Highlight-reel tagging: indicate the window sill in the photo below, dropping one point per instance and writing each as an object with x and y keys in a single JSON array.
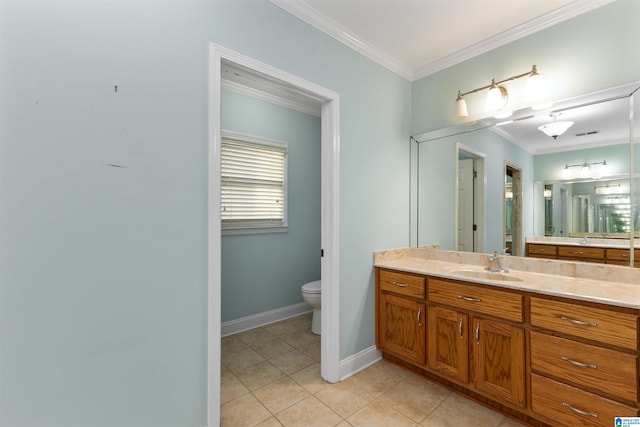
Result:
[{"x": 254, "y": 230}]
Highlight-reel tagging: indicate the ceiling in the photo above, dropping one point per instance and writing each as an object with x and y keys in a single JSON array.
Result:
[{"x": 416, "y": 38}]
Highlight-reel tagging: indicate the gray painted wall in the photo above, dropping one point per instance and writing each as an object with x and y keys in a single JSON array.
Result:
[{"x": 262, "y": 272}]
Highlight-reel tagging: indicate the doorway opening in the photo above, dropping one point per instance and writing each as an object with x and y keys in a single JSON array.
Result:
[
  {"x": 512, "y": 235},
  {"x": 279, "y": 83},
  {"x": 469, "y": 199}
]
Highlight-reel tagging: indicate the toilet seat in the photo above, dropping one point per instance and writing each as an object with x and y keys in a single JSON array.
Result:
[{"x": 312, "y": 287}]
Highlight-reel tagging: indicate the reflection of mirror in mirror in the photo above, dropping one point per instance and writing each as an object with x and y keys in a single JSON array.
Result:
[{"x": 552, "y": 203}]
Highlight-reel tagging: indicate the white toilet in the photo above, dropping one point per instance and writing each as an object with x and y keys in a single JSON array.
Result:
[{"x": 312, "y": 295}]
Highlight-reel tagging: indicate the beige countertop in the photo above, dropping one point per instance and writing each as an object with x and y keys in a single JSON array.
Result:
[{"x": 606, "y": 284}]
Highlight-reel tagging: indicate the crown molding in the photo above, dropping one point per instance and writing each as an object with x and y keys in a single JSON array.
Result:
[
  {"x": 309, "y": 15},
  {"x": 532, "y": 26}
]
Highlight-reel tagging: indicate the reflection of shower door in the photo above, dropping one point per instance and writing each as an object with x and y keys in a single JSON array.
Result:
[{"x": 465, "y": 205}]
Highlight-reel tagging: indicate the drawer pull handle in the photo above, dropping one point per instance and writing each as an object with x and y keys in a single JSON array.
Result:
[
  {"x": 580, "y": 364},
  {"x": 460, "y": 328},
  {"x": 400, "y": 284},
  {"x": 419, "y": 315},
  {"x": 478, "y": 333},
  {"x": 578, "y": 322},
  {"x": 580, "y": 253},
  {"x": 470, "y": 299},
  {"x": 578, "y": 411}
]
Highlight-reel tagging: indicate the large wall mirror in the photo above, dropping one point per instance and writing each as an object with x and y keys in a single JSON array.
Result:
[{"x": 584, "y": 182}]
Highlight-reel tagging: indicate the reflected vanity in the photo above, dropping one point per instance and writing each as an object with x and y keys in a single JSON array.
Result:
[{"x": 579, "y": 190}]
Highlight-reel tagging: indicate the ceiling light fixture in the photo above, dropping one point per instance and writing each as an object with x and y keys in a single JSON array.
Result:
[
  {"x": 497, "y": 96},
  {"x": 555, "y": 129}
]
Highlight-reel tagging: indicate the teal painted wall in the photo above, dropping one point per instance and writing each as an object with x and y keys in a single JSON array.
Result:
[
  {"x": 262, "y": 272},
  {"x": 437, "y": 187},
  {"x": 549, "y": 167},
  {"x": 574, "y": 59},
  {"x": 593, "y": 51},
  {"x": 104, "y": 270}
]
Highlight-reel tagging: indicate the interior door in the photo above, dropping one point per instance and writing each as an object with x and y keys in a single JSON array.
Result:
[{"x": 466, "y": 236}]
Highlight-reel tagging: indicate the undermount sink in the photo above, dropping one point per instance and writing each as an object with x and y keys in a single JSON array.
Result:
[{"x": 487, "y": 275}]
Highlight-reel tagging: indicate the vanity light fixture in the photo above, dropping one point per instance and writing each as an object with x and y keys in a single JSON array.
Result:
[
  {"x": 607, "y": 189},
  {"x": 585, "y": 169},
  {"x": 497, "y": 96},
  {"x": 555, "y": 129}
]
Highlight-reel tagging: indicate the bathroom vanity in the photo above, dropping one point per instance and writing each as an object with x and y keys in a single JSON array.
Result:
[
  {"x": 549, "y": 342},
  {"x": 606, "y": 251}
]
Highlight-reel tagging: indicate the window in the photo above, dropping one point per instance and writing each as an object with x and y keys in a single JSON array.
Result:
[{"x": 253, "y": 185}]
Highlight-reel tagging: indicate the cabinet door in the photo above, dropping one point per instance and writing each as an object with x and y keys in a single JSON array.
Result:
[
  {"x": 402, "y": 327},
  {"x": 448, "y": 342},
  {"x": 499, "y": 360}
]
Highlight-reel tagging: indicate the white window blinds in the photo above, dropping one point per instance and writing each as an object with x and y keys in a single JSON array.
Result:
[{"x": 253, "y": 182}]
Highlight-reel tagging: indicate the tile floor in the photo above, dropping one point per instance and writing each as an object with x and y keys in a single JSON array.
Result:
[{"x": 271, "y": 377}]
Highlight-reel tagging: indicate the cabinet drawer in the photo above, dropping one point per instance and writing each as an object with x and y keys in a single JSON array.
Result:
[
  {"x": 483, "y": 300},
  {"x": 543, "y": 250},
  {"x": 600, "y": 369},
  {"x": 620, "y": 254},
  {"x": 402, "y": 283},
  {"x": 611, "y": 327},
  {"x": 581, "y": 252},
  {"x": 574, "y": 407}
]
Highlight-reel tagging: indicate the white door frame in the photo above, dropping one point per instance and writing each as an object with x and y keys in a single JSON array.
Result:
[
  {"x": 479, "y": 197},
  {"x": 330, "y": 230}
]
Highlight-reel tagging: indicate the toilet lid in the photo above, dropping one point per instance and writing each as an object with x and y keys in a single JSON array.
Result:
[{"x": 312, "y": 287}]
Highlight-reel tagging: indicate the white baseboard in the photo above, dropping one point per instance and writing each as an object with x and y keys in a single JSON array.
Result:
[
  {"x": 359, "y": 361},
  {"x": 255, "y": 321}
]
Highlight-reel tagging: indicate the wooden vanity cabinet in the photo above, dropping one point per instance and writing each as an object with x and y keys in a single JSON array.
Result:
[
  {"x": 552, "y": 361},
  {"x": 537, "y": 250},
  {"x": 579, "y": 253},
  {"x": 401, "y": 315},
  {"x": 616, "y": 256},
  {"x": 584, "y": 362},
  {"x": 471, "y": 338}
]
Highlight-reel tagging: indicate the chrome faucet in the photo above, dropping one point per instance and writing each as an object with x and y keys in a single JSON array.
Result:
[{"x": 495, "y": 265}]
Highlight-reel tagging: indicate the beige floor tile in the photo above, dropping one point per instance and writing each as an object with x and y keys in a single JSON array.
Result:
[
  {"x": 282, "y": 328},
  {"x": 292, "y": 362},
  {"x": 256, "y": 336},
  {"x": 378, "y": 378},
  {"x": 256, "y": 376},
  {"x": 281, "y": 394},
  {"x": 302, "y": 322},
  {"x": 312, "y": 351},
  {"x": 310, "y": 378},
  {"x": 416, "y": 400},
  {"x": 273, "y": 348},
  {"x": 230, "y": 387},
  {"x": 458, "y": 411},
  {"x": 237, "y": 362},
  {"x": 243, "y": 411},
  {"x": 309, "y": 412},
  {"x": 378, "y": 414},
  {"x": 232, "y": 344},
  {"x": 345, "y": 398},
  {"x": 301, "y": 338},
  {"x": 269, "y": 422}
]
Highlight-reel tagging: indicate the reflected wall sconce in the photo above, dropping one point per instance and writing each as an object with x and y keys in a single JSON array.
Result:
[
  {"x": 555, "y": 129},
  {"x": 586, "y": 170},
  {"x": 498, "y": 95},
  {"x": 608, "y": 189}
]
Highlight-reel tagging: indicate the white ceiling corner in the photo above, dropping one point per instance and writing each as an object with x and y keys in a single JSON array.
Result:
[{"x": 357, "y": 24}]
